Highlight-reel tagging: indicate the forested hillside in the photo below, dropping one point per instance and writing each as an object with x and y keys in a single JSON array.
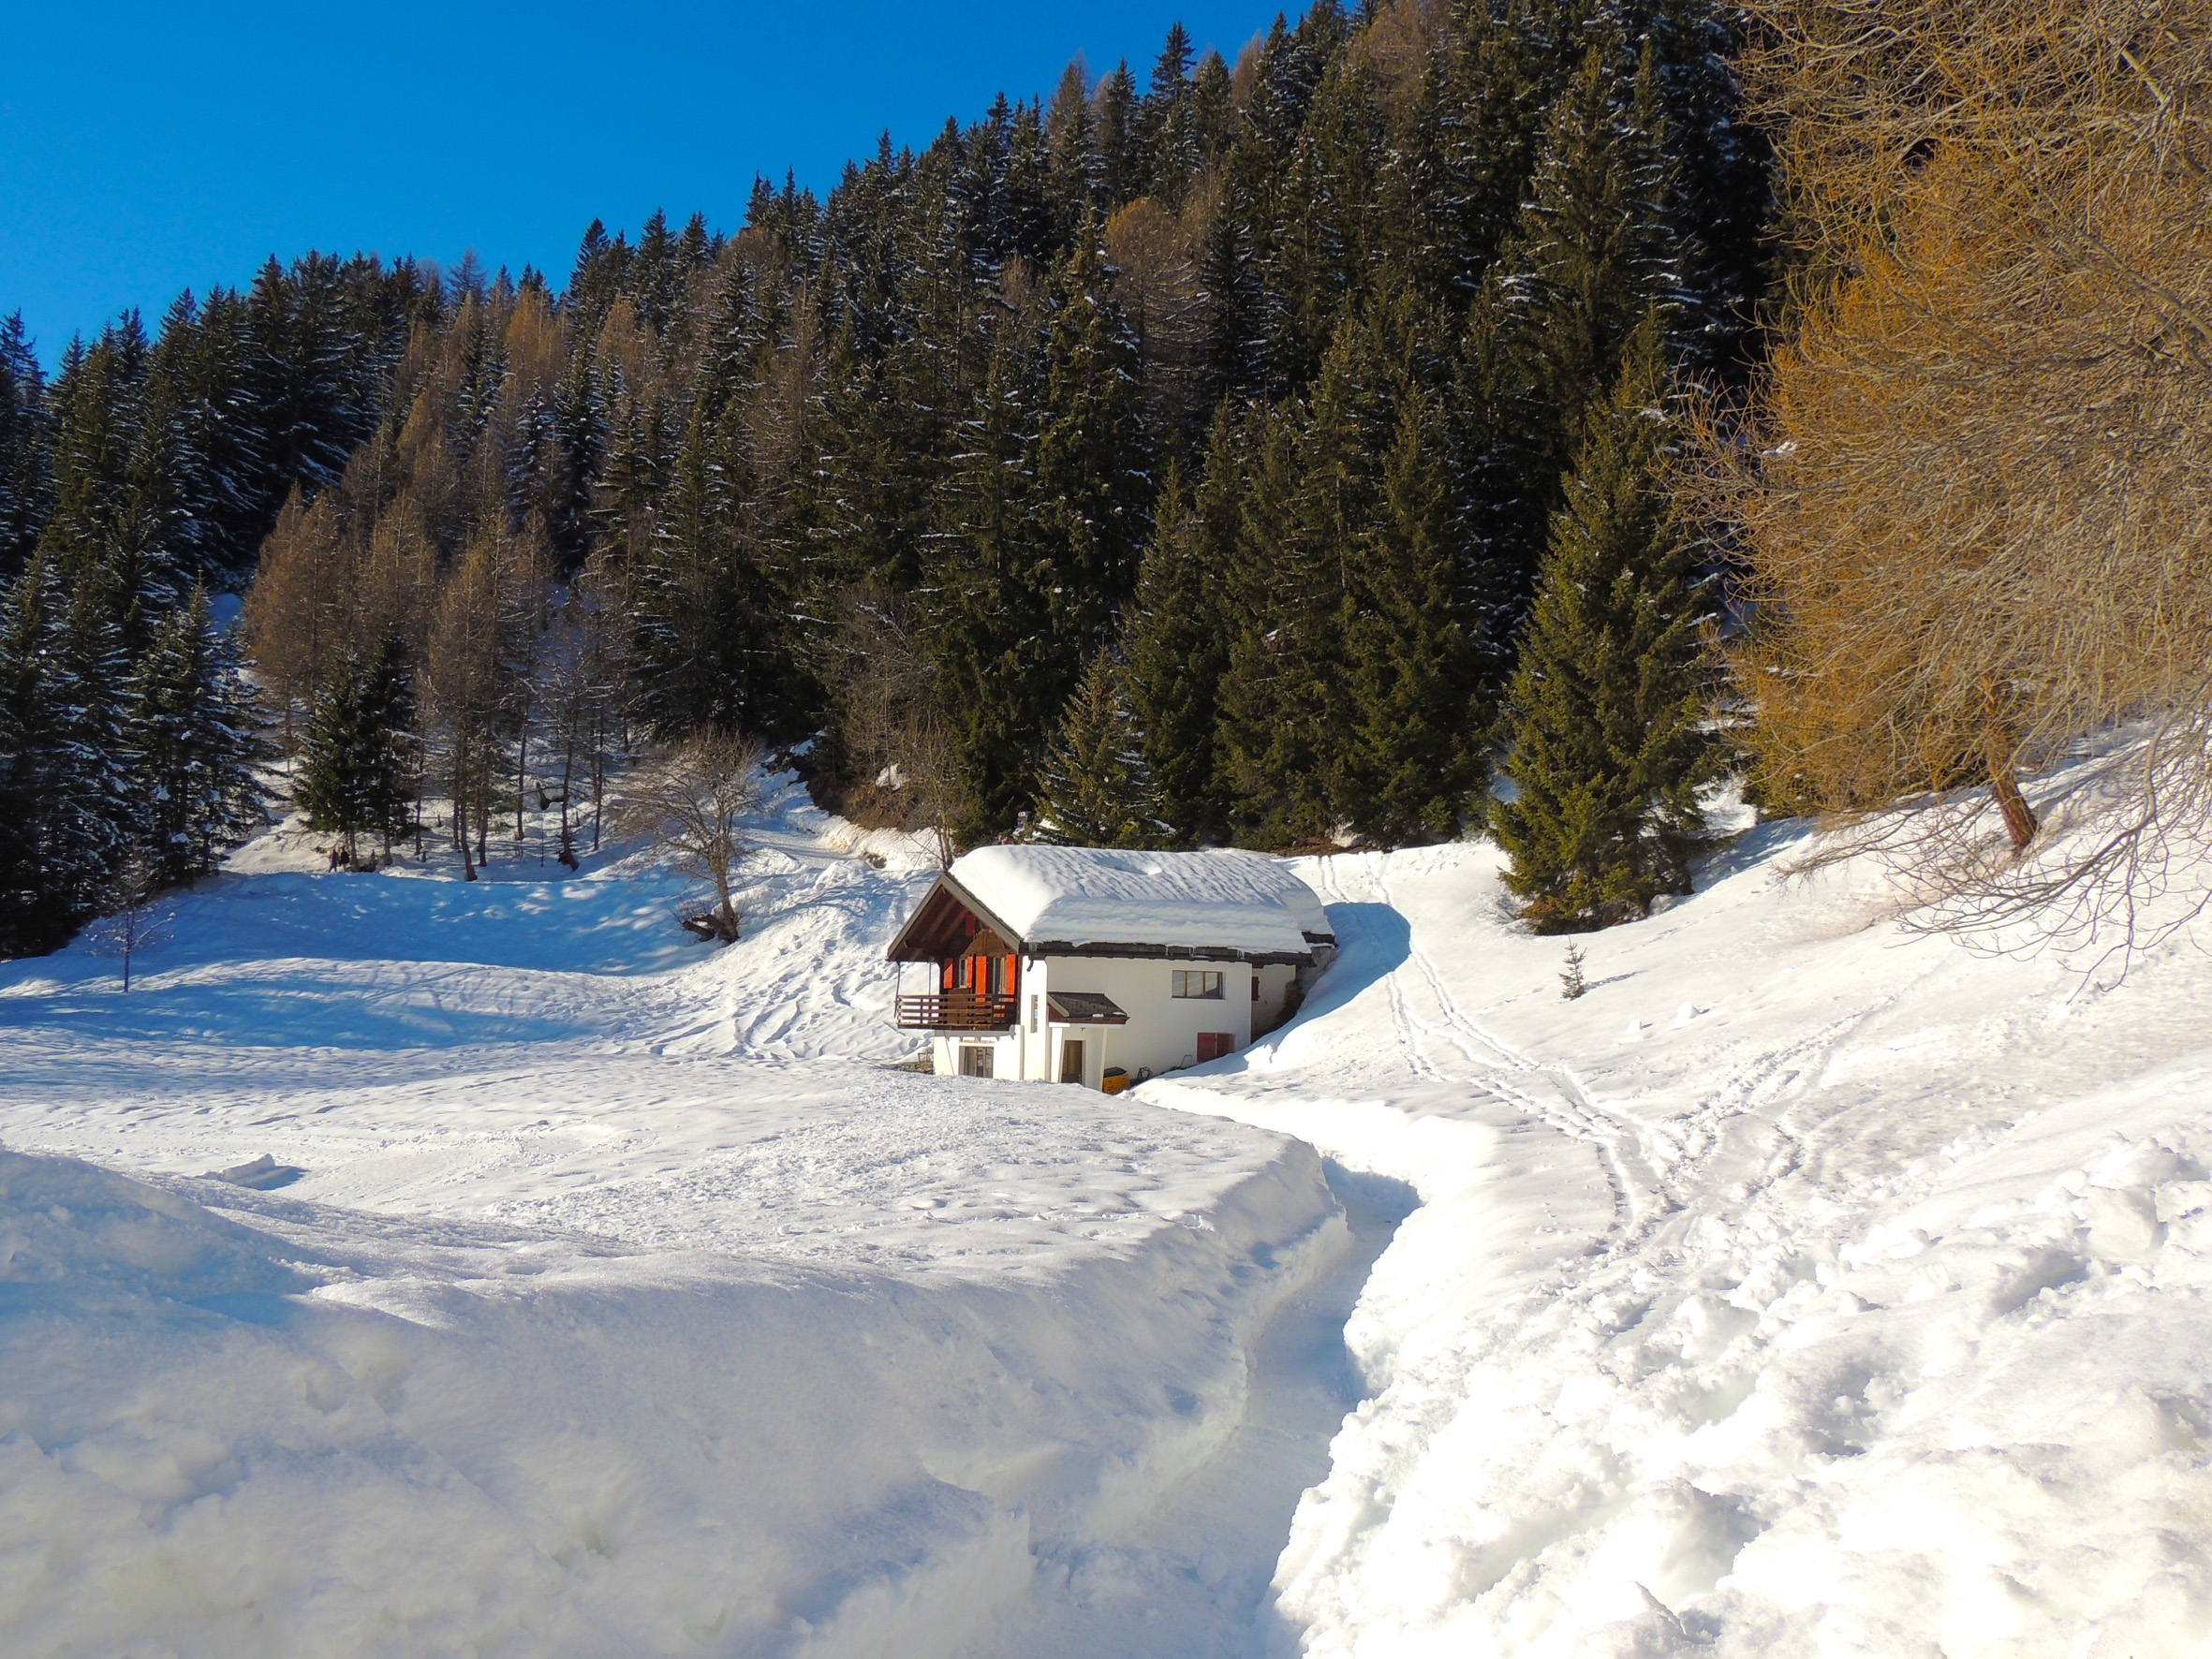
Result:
[{"x": 1237, "y": 397}]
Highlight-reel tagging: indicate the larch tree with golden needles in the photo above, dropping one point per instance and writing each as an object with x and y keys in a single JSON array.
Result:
[{"x": 1975, "y": 495}]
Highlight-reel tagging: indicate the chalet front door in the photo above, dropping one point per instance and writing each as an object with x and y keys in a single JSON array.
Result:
[{"x": 1070, "y": 1062}]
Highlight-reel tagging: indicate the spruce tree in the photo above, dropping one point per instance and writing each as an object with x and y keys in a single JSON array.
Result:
[
  {"x": 24, "y": 466},
  {"x": 190, "y": 735},
  {"x": 1604, "y": 704},
  {"x": 1166, "y": 129},
  {"x": 1093, "y": 788},
  {"x": 1285, "y": 609},
  {"x": 60, "y": 798},
  {"x": 1592, "y": 256},
  {"x": 1413, "y": 755},
  {"x": 1119, "y": 150},
  {"x": 704, "y": 619},
  {"x": 1000, "y": 675},
  {"x": 358, "y": 761},
  {"x": 1093, "y": 482},
  {"x": 1175, "y": 645}
]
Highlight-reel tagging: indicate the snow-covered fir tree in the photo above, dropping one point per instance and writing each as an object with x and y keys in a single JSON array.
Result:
[
  {"x": 1093, "y": 788},
  {"x": 1606, "y": 703}
]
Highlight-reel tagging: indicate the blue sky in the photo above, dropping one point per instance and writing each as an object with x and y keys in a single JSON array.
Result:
[{"x": 144, "y": 149}]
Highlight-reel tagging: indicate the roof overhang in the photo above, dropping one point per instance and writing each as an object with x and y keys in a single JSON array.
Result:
[
  {"x": 933, "y": 934},
  {"x": 1083, "y": 1007}
]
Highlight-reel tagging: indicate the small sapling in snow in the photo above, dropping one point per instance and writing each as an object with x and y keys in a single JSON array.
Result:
[
  {"x": 135, "y": 920},
  {"x": 1570, "y": 983}
]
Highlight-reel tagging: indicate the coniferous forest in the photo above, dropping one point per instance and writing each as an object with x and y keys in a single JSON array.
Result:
[{"x": 1203, "y": 453}]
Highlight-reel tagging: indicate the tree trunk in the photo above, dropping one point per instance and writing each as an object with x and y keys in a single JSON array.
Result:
[
  {"x": 2020, "y": 822},
  {"x": 1997, "y": 751}
]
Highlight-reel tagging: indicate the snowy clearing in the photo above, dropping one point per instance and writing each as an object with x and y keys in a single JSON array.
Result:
[{"x": 1805, "y": 1287}]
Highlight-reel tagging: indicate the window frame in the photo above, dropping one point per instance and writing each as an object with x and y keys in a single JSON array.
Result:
[{"x": 1211, "y": 980}]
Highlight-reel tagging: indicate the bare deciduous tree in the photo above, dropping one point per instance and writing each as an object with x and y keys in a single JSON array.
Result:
[
  {"x": 889, "y": 718},
  {"x": 688, "y": 800}
]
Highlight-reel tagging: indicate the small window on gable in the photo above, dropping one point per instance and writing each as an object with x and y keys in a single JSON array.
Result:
[{"x": 1197, "y": 982}]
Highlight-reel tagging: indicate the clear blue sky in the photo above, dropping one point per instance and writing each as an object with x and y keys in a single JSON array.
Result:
[{"x": 144, "y": 149}]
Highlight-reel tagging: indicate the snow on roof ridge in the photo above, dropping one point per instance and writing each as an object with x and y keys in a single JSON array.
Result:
[{"x": 1221, "y": 899}]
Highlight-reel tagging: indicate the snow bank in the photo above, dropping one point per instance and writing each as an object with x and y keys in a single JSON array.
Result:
[
  {"x": 454, "y": 1439},
  {"x": 1805, "y": 1288}
]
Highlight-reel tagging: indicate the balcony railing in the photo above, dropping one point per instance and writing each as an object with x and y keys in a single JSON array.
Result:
[{"x": 961, "y": 1010}]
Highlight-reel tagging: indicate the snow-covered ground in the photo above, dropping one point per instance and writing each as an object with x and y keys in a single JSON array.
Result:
[
  {"x": 1808, "y": 1287},
  {"x": 604, "y": 1293}
]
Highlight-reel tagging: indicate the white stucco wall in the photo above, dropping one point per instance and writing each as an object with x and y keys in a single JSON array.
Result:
[{"x": 1162, "y": 1031}]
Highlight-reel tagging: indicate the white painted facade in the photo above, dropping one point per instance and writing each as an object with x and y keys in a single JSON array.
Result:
[{"x": 1162, "y": 1031}]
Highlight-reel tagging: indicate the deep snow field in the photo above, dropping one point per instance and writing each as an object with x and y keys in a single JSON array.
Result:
[{"x": 1811, "y": 1287}]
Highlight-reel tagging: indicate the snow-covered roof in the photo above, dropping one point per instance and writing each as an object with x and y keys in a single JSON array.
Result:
[{"x": 1048, "y": 898}]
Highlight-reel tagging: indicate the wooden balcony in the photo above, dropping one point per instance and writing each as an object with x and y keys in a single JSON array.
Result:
[{"x": 958, "y": 1011}]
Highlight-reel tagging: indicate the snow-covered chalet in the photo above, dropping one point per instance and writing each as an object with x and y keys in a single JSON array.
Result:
[{"x": 1093, "y": 966}]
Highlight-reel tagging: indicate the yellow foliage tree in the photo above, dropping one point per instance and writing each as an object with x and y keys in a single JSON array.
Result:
[{"x": 1975, "y": 490}]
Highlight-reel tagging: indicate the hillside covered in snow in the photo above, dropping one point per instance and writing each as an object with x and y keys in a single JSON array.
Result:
[{"x": 1810, "y": 1286}]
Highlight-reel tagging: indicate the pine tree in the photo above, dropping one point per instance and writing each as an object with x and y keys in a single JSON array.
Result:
[
  {"x": 1093, "y": 788},
  {"x": 1094, "y": 487},
  {"x": 25, "y": 466},
  {"x": 1412, "y": 757},
  {"x": 60, "y": 797},
  {"x": 357, "y": 762},
  {"x": 190, "y": 735},
  {"x": 1175, "y": 645},
  {"x": 1604, "y": 704}
]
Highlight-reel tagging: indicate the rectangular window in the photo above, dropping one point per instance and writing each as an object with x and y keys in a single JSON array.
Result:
[
  {"x": 1197, "y": 982},
  {"x": 1212, "y": 1045},
  {"x": 1255, "y": 987},
  {"x": 975, "y": 1059}
]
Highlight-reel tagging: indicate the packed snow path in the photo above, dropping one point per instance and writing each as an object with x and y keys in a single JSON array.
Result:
[{"x": 1805, "y": 1287}]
